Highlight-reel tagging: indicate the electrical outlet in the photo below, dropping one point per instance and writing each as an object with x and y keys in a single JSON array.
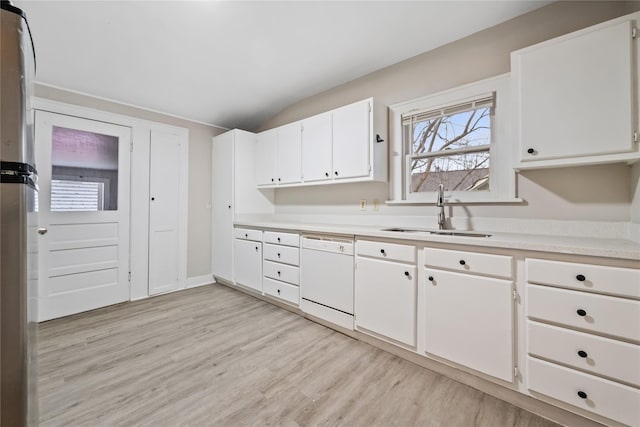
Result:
[
  {"x": 363, "y": 204},
  {"x": 376, "y": 204}
]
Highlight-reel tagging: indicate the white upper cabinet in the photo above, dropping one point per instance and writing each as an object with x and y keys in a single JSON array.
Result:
[
  {"x": 267, "y": 158},
  {"x": 575, "y": 97},
  {"x": 289, "y": 155},
  {"x": 351, "y": 140},
  {"x": 317, "y": 144},
  {"x": 342, "y": 145}
]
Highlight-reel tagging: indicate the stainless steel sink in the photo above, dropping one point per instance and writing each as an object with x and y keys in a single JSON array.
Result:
[{"x": 438, "y": 232}]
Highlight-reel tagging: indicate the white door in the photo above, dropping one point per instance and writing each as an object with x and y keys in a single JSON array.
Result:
[
  {"x": 385, "y": 299},
  {"x": 165, "y": 208},
  {"x": 83, "y": 205},
  {"x": 289, "y": 156},
  {"x": 267, "y": 158},
  {"x": 316, "y": 148},
  {"x": 351, "y": 141},
  {"x": 223, "y": 207},
  {"x": 248, "y": 263}
]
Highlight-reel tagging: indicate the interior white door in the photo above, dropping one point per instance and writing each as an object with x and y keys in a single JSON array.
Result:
[
  {"x": 223, "y": 206},
  {"x": 83, "y": 209},
  {"x": 166, "y": 205}
]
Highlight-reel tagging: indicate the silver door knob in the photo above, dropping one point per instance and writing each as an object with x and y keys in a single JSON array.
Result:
[{"x": 42, "y": 231}]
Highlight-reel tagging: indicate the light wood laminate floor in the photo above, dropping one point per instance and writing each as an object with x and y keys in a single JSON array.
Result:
[{"x": 215, "y": 356}]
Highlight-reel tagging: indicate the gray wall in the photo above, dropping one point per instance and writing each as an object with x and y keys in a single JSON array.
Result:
[
  {"x": 596, "y": 193},
  {"x": 199, "y": 220}
]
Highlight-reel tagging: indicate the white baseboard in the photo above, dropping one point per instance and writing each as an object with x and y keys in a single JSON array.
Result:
[{"x": 196, "y": 281}]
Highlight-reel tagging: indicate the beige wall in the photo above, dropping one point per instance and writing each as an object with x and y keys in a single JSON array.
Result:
[
  {"x": 199, "y": 219},
  {"x": 597, "y": 193}
]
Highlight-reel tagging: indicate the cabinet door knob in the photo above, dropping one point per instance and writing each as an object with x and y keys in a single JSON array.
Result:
[
  {"x": 246, "y": 235},
  {"x": 430, "y": 278},
  {"x": 278, "y": 254},
  {"x": 153, "y": 198},
  {"x": 272, "y": 180},
  {"x": 462, "y": 262},
  {"x": 531, "y": 151},
  {"x": 278, "y": 273},
  {"x": 581, "y": 312},
  {"x": 256, "y": 249},
  {"x": 278, "y": 240},
  {"x": 279, "y": 180},
  {"x": 406, "y": 273},
  {"x": 582, "y": 354},
  {"x": 229, "y": 206},
  {"x": 278, "y": 291},
  {"x": 42, "y": 230},
  {"x": 580, "y": 278},
  {"x": 336, "y": 173},
  {"x": 326, "y": 174},
  {"x": 582, "y": 394}
]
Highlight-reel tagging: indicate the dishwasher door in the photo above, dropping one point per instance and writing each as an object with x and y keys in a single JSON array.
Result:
[{"x": 326, "y": 269}]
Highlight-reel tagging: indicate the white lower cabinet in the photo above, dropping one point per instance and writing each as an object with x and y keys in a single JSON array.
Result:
[
  {"x": 248, "y": 262},
  {"x": 583, "y": 346},
  {"x": 386, "y": 298},
  {"x": 469, "y": 321}
]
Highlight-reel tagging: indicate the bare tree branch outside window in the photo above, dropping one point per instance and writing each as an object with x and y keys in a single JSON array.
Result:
[{"x": 465, "y": 169}]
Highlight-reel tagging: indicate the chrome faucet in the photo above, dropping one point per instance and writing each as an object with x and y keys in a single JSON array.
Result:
[{"x": 442, "y": 218}]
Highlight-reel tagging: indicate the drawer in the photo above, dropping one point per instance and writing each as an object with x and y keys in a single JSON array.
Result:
[
  {"x": 383, "y": 250},
  {"x": 470, "y": 262},
  {"x": 248, "y": 234},
  {"x": 585, "y": 277},
  {"x": 598, "y": 313},
  {"x": 282, "y": 272},
  {"x": 600, "y": 396},
  {"x": 285, "y": 254},
  {"x": 602, "y": 356},
  {"x": 278, "y": 238},
  {"x": 281, "y": 290}
]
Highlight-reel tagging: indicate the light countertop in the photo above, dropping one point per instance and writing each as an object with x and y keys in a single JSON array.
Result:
[{"x": 591, "y": 246}]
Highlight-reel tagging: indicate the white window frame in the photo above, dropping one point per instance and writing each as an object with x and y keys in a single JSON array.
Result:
[{"x": 502, "y": 175}]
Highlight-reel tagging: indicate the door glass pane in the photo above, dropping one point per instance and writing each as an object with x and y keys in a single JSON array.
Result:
[{"x": 84, "y": 174}]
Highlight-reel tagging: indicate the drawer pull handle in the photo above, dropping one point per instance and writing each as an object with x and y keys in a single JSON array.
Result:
[
  {"x": 406, "y": 273},
  {"x": 531, "y": 151},
  {"x": 580, "y": 278},
  {"x": 278, "y": 273},
  {"x": 278, "y": 291},
  {"x": 278, "y": 254},
  {"x": 582, "y": 354},
  {"x": 581, "y": 312},
  {"x": 462, "y": 262},
  {"x": 278, "y": 240},
  {"x": 382, "y": 251},
  {"x": 582, "y": 394},
  {"x": 246, "y": 235},
  {"x": 430, "y": 278}
]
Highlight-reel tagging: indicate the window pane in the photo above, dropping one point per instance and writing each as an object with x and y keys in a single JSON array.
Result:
[
  {"x": 467, "y": 129},
  {"x": 462, "y": 172},
  {"x": 84, "y": 171}
]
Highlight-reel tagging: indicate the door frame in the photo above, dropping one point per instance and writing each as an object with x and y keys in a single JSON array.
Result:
[{"x": 139, "y": 187}]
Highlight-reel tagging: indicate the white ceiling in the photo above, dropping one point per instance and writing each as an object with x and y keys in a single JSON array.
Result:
[{"x": 237, "y": 63}]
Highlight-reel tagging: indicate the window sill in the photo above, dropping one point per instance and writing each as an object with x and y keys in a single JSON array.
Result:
[{"x": 510, "y": 201}]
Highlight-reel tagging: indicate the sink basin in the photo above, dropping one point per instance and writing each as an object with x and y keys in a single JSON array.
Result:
[{"x": 438, "y": 232}]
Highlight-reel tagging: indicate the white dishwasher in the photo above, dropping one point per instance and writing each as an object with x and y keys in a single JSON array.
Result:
[{"x": 326, "y": 278}]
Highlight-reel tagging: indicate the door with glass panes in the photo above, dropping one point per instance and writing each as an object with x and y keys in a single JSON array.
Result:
[{"x": 83, "y": 212}]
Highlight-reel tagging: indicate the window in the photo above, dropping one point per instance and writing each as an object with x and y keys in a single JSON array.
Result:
[
  {"x": 457, "y": 138},
  {"x": 72, "y": 195}
]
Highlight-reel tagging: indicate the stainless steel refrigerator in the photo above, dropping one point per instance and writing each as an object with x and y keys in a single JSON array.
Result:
[{"x": 18, "y": 223}]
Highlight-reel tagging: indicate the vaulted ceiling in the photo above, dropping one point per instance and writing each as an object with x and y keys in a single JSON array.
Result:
[{"x": 237, "y": 63}]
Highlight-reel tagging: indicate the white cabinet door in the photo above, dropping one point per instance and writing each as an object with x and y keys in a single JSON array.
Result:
[
  {"x": 316, "y": 148},
  {"x": 267, "y": 158},
  {"x": 289, "y": 156},
  {"x": 385, "y": 299},
  {"x": 469, "y": 320},
  {"x": 248, "y": 263},
  {"x": 223, "y": 207},
  {"x": 575, "y": 94},
  {"x": 351, "y": 141}
]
